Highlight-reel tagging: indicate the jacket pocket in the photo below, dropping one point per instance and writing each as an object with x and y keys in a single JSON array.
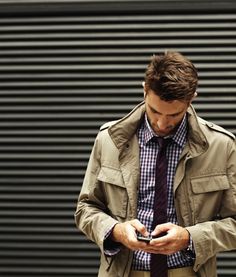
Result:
[
  {"x": 207, "y": 195},
  {"x": 115, "y": 190}
]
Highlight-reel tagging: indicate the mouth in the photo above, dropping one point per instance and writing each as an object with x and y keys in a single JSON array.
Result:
[{"x": 165, "y": 132}]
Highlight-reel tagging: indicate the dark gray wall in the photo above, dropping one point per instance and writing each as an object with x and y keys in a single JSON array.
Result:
[{"x": 66, "y": 67}]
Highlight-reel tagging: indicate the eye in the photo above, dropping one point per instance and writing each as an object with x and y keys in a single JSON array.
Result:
[
  {"x": 154, "y": 111},
  {"x": 174, "y": 115}
]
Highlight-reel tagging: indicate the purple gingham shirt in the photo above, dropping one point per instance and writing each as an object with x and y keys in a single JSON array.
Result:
[{"x": 148, "y": 154}]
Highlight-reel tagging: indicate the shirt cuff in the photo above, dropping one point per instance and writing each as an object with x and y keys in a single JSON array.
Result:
[
  {"x": 111, "y": 247},
  {"x": 190, "y": 251}
]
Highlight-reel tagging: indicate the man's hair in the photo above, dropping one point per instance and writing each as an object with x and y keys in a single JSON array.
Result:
[{"x": 171, "y": 76}]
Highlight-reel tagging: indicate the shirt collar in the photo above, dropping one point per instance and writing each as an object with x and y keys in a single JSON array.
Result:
[{"x": 179, "y": 137}]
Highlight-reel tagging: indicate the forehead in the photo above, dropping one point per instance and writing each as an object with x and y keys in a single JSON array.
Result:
[{"x": 165, "y": 107}]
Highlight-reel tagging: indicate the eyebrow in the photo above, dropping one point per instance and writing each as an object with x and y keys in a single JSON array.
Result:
[{"x": 154, "y": 110}]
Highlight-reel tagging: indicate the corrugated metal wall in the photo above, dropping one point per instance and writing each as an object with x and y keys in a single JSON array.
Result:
[{"x": 66, "y": 67}]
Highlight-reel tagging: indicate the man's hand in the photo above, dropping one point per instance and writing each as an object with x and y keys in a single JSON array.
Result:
[
  {"x": 125, "y": 233},
  {"x": 176, "y": 239}
]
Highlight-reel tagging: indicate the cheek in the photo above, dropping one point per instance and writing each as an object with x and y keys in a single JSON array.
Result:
[
  {"x": 176, "y": 121},
  {"x": 173, "y": 122},
  {"x": 151, "y": 117}
]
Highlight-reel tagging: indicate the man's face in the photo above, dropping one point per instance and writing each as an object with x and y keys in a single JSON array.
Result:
[{"x": 163, "y": 116}]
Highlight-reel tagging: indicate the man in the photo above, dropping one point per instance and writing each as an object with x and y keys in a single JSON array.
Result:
[{"x": 118, "y": 201}]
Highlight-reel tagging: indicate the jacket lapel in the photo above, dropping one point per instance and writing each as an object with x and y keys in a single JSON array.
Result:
[
  {"x": 123, "y": 134},
  {"x": 129, "y": 164},
  {"x": 195, "y": 146}
]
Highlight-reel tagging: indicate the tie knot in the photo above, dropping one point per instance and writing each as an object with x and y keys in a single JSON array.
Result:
[{"x": 162, "y": 142}]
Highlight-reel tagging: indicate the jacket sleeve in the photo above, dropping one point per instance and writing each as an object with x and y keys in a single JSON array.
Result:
[
  {"x": 91, "y": 215},
  {"x": 212, "y": 237}
]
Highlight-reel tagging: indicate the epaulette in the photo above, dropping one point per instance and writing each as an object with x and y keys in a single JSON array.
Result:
[
  {"x": 217, "y": 128},
  {"x": 107, "y": 125}
]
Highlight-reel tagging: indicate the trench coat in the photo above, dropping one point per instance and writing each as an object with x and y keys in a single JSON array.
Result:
[{"x": 204, "y": 190}]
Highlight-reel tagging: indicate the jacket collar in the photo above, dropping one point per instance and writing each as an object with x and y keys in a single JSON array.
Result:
[
  {"x": 197, "y": 141},
  {"x": 124, "y": 129}
]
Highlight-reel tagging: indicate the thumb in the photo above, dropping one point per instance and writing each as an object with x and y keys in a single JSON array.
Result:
[
  {"x": 161, "y": 230},
  {"x": 140, "y": 227}
]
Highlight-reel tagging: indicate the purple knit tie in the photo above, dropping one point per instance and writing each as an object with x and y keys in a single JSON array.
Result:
[{"x": 159, "y": 261}]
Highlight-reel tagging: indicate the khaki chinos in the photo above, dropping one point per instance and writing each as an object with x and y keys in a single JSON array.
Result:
[{"x": 178, "y": 272}]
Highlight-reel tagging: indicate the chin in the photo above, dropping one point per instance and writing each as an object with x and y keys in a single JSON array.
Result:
[{"x": 164, "y": 134}]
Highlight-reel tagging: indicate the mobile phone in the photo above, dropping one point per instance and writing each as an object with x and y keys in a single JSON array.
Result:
[{"x": 145, "y": 239}]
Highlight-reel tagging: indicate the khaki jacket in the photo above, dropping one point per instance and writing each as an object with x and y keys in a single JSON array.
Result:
[{"x": 204, "y": 190}]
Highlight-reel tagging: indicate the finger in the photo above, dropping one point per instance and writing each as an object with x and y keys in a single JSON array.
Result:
[
  {"x": 139, "y": 227},
  {"x": 131, "y": 236},
  {"x": 161, "y": 236},
  {"x": 128, "y": 237},
  {"x": 160, "y": 243},
  {"x": 161, "y": 240},
  {"x": 161, "y": 229},
  {"x": 166, "y": 249},
  {"x": 131, "y": 233},
  {"x": 137, "y": 245}
]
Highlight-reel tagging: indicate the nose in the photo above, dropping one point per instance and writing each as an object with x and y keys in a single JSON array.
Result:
[{"x": 162, "y": 124}]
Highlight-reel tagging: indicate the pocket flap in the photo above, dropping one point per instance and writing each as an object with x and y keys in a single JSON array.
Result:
[
  {"x": 209, "y": 183},
  {"x": 111, "y": 175}
]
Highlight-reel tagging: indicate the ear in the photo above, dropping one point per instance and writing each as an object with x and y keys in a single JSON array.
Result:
[
  {"x": 144, "y": 91},
  {"x": 194, "y": 96}
]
